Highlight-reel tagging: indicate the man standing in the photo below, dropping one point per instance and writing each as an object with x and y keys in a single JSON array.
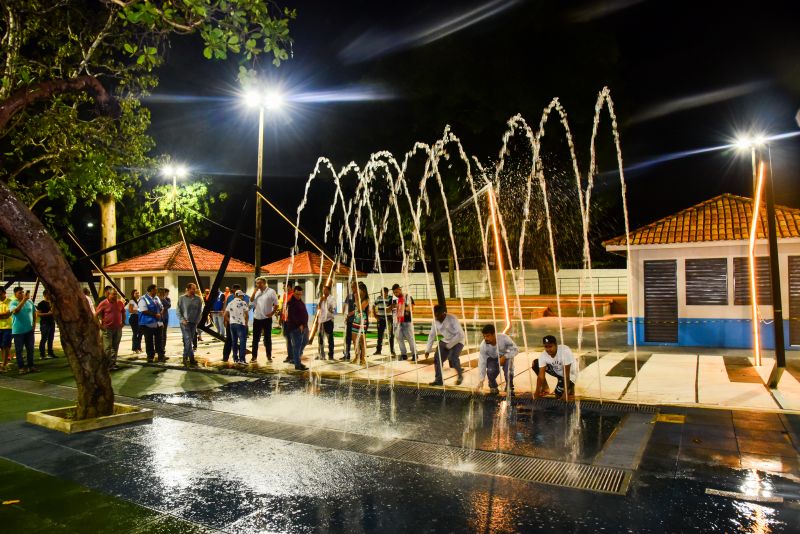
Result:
[
  {"x": 287, "y": 298},
  {"x": 217, "y": 313},
  {"x": 189, "y": 311},
  {"x": 383, "y": 313},
  {"x": 237, "y": 316},
  {"x": 325, "y": 315},
  {"x": 22, "y": 309},
  {"x": 133, "y": 320},
  {"x": 451, "y": 345},
  {"x": 166, "y": 302},
  {"x": 351, "y": 302},
  {"x": 111, "y": 315},
  {"x": 297, "y": 326},
  {"x": 558, "y": 361},
  {"x": 47, "y": 325},
  {"x": 403, "y": 306},
  {"x": 5, "y": 330},
  {"x": 150, "y": 310},
  {"x": 264, "y": 303},
  {"x": 496, "y": 351},
  {"x": 226, "y": 349}
]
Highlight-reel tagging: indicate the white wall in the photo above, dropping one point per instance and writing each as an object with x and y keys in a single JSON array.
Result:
[{"x": 719, "y": 249}]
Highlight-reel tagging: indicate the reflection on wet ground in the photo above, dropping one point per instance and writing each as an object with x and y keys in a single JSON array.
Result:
[
  {"x": 232, "y": 480},
  {"x": 557, "y": 432}
]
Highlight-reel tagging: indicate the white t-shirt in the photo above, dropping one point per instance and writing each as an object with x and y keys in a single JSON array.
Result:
[
  {"x": 563, "y": 357},
  {"x": 237, "y": 311},
  {"x": 263, "y": 303},
  {"x": 135, "y": 305},
  {"x": 327, "y": 309}
]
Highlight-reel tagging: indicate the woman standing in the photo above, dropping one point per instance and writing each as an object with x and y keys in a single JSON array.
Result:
[
  {"x": 360, "y": 324},
  {"x": 133, "y": 320}
]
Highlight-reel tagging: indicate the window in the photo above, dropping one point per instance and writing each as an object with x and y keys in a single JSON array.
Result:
[
  {"x": 159, "y": 281},
  {"x": 707, "y": 282},
  {"x": 741, "y": 282}
]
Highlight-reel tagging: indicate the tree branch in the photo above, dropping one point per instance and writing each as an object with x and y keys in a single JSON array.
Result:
[
  {"x": 97, "y": 40},
  {"x": 22, "y": 98}
]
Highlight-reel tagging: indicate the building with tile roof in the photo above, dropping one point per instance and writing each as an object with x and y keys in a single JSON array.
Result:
[
  {"x": 690, "y": 275},
  {"x": 169, "y": 267}
]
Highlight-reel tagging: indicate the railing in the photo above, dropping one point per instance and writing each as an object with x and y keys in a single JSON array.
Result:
[{"x": 600, "y": 285}]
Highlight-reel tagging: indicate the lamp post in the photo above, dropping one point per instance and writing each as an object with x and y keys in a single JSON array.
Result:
[
  {"x": 762, "y": 183},
  {"x": 263, "y": 101},
  {"x": 174, "y": 172}
]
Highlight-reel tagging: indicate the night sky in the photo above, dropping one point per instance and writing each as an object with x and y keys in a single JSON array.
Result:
[{"x": 683, "y": 75}]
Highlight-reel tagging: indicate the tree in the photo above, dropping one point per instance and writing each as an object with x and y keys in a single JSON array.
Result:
[{"x": 74, "y": 69}]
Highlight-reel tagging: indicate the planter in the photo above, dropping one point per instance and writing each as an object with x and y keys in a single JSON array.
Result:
[{"x": 59, "y": 418}]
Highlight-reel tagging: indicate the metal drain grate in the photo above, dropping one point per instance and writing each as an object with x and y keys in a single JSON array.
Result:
[{"x": 539, "y": 470}]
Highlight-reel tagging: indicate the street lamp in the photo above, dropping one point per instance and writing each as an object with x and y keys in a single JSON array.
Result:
[
  {"x": 272, "y": 100},
  {"x": 762, "y": 184},
  {"x": 174, "y": 172}
]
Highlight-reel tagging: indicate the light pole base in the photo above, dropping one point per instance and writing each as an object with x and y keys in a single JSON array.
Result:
[{"x": 775, "y": 377}]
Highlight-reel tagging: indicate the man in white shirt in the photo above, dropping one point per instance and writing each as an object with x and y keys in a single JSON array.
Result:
[
  {"x": 450, "y": 346},
  {"x": 264, "y": 303},
  {"x": 558, "y": 361},
  {"x": 237, "y": 314},
  {"x": 325, "y": 313},
  {"x": 496, "y": 351}
]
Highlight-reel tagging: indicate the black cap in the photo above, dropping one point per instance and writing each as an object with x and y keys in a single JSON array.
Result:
[{"x": 548, "y": 340}]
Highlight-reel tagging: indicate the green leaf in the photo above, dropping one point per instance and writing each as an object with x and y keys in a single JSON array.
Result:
[{"x": 207, "y": 52}]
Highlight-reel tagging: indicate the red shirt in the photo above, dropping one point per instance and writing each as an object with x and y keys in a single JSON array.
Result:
[{"x": 108, "y": 318}]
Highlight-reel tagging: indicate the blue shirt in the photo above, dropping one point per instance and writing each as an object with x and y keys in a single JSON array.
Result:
[{"x": 22, "y": 322}]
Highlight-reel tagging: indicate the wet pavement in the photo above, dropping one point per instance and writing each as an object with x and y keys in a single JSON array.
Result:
[{"x": 691, "y": 469}]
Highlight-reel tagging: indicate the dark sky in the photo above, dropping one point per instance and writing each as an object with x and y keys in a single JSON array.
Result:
[{"x": 683, "y": 75}]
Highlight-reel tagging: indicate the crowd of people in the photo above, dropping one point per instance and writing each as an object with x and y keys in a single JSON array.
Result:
[{"x": 231, "y": 310}]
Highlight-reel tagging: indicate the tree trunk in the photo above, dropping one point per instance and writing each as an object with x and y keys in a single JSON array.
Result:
[
  {"x": 108, "y": 227},
  {"x": 80, "y": 335},
  {"x": 451, "y": 275},
  {"x": 543, "y": 264}
]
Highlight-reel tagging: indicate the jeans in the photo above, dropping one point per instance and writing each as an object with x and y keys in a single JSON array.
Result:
[
  {"x": 262, "y": 326},
  {"x": 152, "y": 342},
  {"x": 326, "y": 331},
  {"x": 299, "y": 340},
  {"x": 493, "y": 371},
  {"x": 550, "y": 371},
  {"x": 133, "y": 320},
  {"x": 189, "y": 333},
  {"x": 47, "y": 331},
  {"x": 382, "y": 325},
  {"x": 239, "y": 342},
  {"x": 111, "y": 339},
  {"x": 348, "y": 335},
  {"x": 219, "y": 322},
  {"x": 451, "y": 355},
  {"x": 163, "y": 337},
  {"x": 23, "y": 341},
  {"x": 405, "y": 333},
  {"x": 226, "y": 348}
]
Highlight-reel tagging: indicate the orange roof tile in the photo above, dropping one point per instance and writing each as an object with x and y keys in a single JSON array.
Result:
[
  {"x": 725, "y": 217},
  {"x": 175, "y": 258},
  {"x": 305, "y": 263}
]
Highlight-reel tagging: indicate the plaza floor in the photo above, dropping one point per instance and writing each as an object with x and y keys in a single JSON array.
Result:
[{"x": 669, "y": 375}]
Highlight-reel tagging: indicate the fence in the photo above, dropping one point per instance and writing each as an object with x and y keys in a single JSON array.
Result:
[{"x": 600, "y": 285}]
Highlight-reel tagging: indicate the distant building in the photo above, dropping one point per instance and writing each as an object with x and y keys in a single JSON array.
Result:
[
  {"x": 310, "y": 270},
  {"x": 690, "y": 276},
  {"x": 170, "y": 267}
]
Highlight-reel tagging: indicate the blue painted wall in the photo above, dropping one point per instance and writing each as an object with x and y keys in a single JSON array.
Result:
[{"x": 726, "y": 333}]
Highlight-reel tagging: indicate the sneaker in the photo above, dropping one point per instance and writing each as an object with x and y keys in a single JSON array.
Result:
[
  {"x": 301, "y": 367},
  {"x": 33, "y": 370},
  {"x": 287, "y": 360},
  {"x": 436, "y": 383},
  {"x": 403, "y": 357},
  {"x": 51, "y": 355},
  {"x": 114, "y": 368},
  {"x": 459, "y": 380},
  {"x": 330, "y": 357},
  {"x": 494, "y": 391},
  {"x": 23, "y": 371},
  {"x": 345, "y": 358},
  {"x": 253, "y": 359},
  {"x": 376, "y": 353}
]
